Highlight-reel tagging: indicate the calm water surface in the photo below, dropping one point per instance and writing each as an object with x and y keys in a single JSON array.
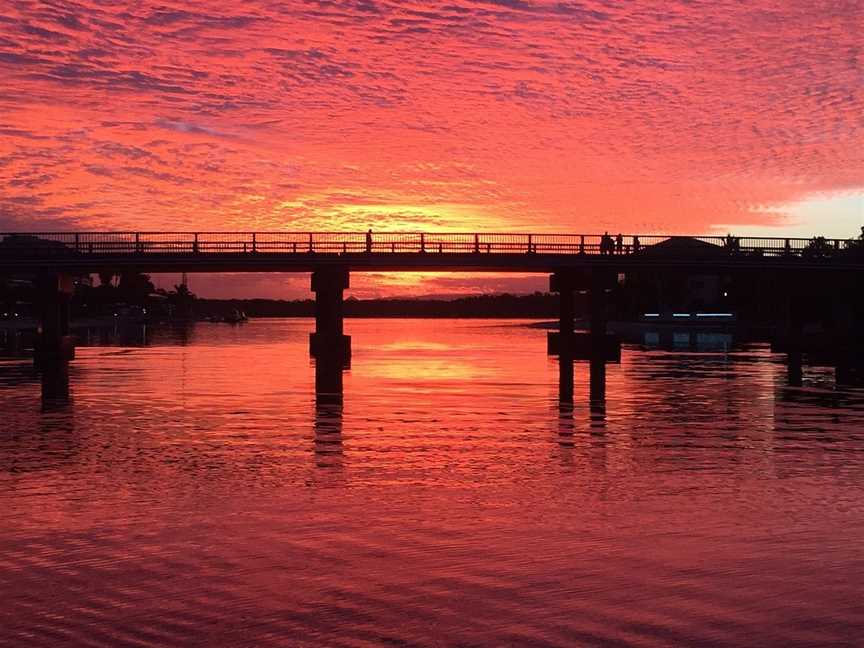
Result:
[{"x": 192, "y": 495}]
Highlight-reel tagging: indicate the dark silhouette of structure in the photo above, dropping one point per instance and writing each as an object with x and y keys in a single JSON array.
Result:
[{"x": 583, "y": 263}]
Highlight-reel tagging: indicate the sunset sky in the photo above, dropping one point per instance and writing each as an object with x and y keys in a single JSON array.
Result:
[{"x": 506, "y": 115}]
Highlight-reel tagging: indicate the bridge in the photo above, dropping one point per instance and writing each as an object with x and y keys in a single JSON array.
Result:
[
  {"x": 411, "y": 251},
  {"x": 590, "y": 263}
]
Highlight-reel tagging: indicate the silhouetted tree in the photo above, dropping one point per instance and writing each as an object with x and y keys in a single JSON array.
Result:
[
  {"x": 817, "y": 248},
  {"x": 182, "y": 301},
  {"x": 134, "y": 288}
]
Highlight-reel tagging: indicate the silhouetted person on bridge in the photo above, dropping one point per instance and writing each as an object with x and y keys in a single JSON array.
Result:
[
  {"x": 636, "y": 244},
  {"x": 369, "y": 240},
  {"x": 732, "y": 243},
  {"x": 619, "y": 244},
  {"x": 606, "y": 244}
]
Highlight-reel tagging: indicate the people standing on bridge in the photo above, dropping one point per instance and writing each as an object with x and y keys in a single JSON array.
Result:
[
  {"x": 369, "y": 240},
  {"x": 636, "y": 244},
  {"x": 619, "y": 244},
  {"x": 733, "y": 243},
  {"x": 604, "y": 244}
]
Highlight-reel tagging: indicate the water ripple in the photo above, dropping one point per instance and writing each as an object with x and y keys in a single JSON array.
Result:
[{"x": 192, "y": 494}]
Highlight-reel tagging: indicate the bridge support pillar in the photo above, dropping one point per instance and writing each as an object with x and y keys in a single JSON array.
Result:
[
  {"x": 328, "y": 338},
  {"x": 55, "y": 345},
  {"x": 328, "y": 344},
  {"x": 848, "y": 330},
  {"x": 597, "y": 343},
  {"x": 789, "y": 336},
  {"x": 603, "y": 347},
  {"x": 561, "y": 342}
]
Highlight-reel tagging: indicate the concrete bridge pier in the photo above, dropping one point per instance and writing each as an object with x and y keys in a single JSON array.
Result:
[
  {"x": 328, "y": 345},
  {"x": 603, "y": 346},
  {"x": 789, "y": 334},
  {"x": 55, "y": 345},
  {"x": 848, "y": 330},
  {"x": 597, "y": 343},
  {"x": 328, "y": 339},
  {"x": 561, "y": 342}
]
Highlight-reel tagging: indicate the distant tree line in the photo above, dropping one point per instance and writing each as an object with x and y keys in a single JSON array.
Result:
[
  {"x": 101, "y": 297},
  {"x": 537, "y": 305}
]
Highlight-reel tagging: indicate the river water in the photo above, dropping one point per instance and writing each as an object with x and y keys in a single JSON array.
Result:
[{"x": 193, "y": 495}]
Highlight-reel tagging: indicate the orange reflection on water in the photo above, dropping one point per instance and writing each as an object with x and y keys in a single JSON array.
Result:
[{"x": 198, "y": 475}]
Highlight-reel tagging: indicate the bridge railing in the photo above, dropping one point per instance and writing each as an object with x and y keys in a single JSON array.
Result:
[{"x": 48, "y": 244}]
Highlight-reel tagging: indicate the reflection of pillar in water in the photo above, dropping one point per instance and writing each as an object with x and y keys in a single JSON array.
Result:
[
  {"x": 597, "y": 382},
  {"x": 328, "y": 376},
  {"x": 795, "y": 372},
  {"x": 565, "y": 401},
  {"x": 565, "y": 379},
  {"x": 566, "y": 425},
  {"x": 328, "y": 431},
  {"x": 184, "y": 331},
  {"x": 55, "y": 385},
  {"x": 54, "y": 345}
]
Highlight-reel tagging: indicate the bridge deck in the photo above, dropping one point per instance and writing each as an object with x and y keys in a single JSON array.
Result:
[{"x": 388, "y": 251}]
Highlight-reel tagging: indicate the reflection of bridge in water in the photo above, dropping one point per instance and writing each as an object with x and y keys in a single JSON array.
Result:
[{"x": 575, "y": 263}]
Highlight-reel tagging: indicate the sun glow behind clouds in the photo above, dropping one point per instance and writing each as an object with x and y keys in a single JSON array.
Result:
[{"x": 835, "y": 215}]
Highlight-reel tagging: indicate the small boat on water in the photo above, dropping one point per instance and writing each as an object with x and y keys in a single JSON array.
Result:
[{"x": 236, "y": 316}]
